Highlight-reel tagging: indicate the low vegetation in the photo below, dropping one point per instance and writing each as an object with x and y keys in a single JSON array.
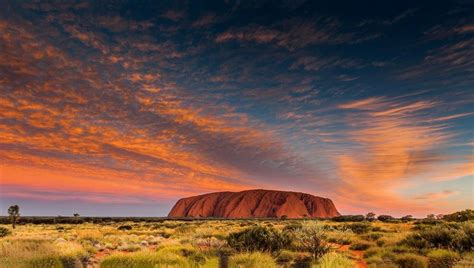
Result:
[{"x": 406, "y": 242}]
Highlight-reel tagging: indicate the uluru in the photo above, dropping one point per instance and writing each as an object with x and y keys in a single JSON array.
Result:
[{"x": 254, "y": 204}]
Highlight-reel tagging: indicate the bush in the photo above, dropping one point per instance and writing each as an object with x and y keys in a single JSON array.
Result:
[
  {"x": 411, "y": 261},
  {"x": 360, "y": 246},
  {"x": 4, "y": 231},
  {"x": 252, "y": 260},
  {"x": 292, "y": 227},
  {"x": 291, "y": 257},
  {"x": 459, "y": 237},
  {"x": 259, "y": 239},
  {"x": 385, "y": 218},
  {"x": 460, "y": 216},
  {"x": 359, "y": 227},
  {"x": 441, "y": 258},
  {"x": 125, "y": 228},
  {"x": 346, "y": 218},
  {"x": 311, "y": 238}
]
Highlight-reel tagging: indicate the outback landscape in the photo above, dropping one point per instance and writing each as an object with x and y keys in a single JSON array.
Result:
[
  {"x": 236, "y": 133},
  {"x": 243, "y": 237}
]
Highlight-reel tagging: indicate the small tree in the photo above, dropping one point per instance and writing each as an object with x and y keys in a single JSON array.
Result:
[
  {"x": 14, "y": 212},
  {"x": 430, "y": 216},
  {"x": 385, "y": 218},
  {"x": 370, "y": 216},
  {"x": 311, "y": 237},
  {"x": 407, "y": 218},
  {"x": 76, "y": 215}
]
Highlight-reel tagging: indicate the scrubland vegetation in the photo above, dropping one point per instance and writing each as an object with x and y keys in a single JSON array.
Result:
[{"x": 354, "y": 241}]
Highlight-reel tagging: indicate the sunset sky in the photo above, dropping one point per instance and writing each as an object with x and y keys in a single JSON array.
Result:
[{"x": 121, "y": 108}]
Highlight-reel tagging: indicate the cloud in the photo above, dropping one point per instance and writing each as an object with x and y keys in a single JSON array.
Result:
[
  {"x": 435, "y": 196},
  {"x": 296, "y": 34},
  {"x": 174, "y": 15},
  {"x": 390, "y": 148},
  {"x": 118, "y": 119}
]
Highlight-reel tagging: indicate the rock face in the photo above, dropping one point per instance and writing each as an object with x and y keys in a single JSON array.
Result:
[{"x": 254, "y": 204}]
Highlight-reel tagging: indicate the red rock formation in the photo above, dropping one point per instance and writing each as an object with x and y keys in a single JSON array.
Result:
[{"x": 254, "y": 204}]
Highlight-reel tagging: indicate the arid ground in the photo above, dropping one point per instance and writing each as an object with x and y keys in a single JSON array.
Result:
[{"x": 346, "y": 241}]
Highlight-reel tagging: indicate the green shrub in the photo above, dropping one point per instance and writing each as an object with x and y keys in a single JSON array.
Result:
[
  {"x": 459, "y": 216},
  {"x": 359, "y": 227},
  {"x": 441, "y": 258},
  {"x": 385, "y": 218},
  {"x": 125, "y": 228},
  {"x": 370, "y": 252},
  {"x": 292, "y": 227},
  {"x": 312, "y": 238},
  {"x": 291, "y": 257},
  {"x": 4, "y": 231},
  {"x": 333, "y": 259},
  {"x": 259, "y": 238},
  {"x": 346, "y": 218},
  {"x": 409, "y": 260},
  {"x": 252, "y": 260},
  {"x": 459, "y": 237},
  {"x": 360, "y": 246},
  {"x": 375, "y": 236}
]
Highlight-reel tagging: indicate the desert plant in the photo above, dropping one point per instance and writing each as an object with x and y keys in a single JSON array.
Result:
[
  {"x": 252, "y": 260},
  {"x": 385, "y": 218},
  {"x": 406, "y": 218},
  {"x": 144, "y": 260},
  {"x": 359, "y": 246},
  {"x": 345, "y": 218},
  {"x": 312, "y": 238},
  {"x": 409, "y": 260},
  {"x": 359, "y": 227},
  {"x": 333, "y": 259},
  {"x": 259, "y": 238},
  {"x": 124, "y": 228},
  {"x": 441, "y": 258},
  {"x": 4, "y": 231},
  {"x": 460, "y": 216},
  {"x": 14, "y": 213},
  {"x": 370, "y": 216}
]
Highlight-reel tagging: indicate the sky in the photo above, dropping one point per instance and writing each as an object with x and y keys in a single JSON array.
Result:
[{"x": 120, "y": 108}]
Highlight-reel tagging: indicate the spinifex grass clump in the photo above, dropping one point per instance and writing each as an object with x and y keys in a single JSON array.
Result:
[
  {"x": 41, "y": 253},
  {"x": 259, "y": 239}
]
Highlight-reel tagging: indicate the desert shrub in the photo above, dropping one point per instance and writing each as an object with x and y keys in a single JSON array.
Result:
[
  {"x": 371, "y": 252},
  {"x": 252, "y": 260},
  {"x": 4, "y": 231},
  {"x": 292, "y": 227},
  {"x": 459, "y": 237},
  {"x": 144, "y": 260},
  {"x": 291, "y": 257},
  {"x": 312, "y": 238},
  {"x": 378, "y": 229},
  {"x": 259, "y": 239},
  {"x": 334, "y": 259},
  {"x": 460, "y": 216},
  {"x": 385, "y": 218},
  {"x": 359, "y": 246},
  {"x": 441, "y": 258},
  {"x": 409, "y": 260},
  {"x": 284, "y": 217},
  {"x": 375, "y": 236},
  {"x": 345, "y": 218},
  {"x": 124, "y": 228},
  {"x": 184, "y": 229},
  {"x": 359, "y": 227}
]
